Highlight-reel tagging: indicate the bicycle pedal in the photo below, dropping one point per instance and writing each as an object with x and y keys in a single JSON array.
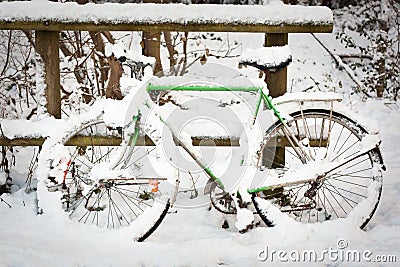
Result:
[{"x": 225, "y": 224}]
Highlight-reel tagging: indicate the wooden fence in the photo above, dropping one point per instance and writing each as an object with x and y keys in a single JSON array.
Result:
[{"x": 56, "y": 17}]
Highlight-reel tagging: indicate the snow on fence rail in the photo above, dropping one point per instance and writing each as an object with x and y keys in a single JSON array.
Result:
[
  {"x": 99, "y": 140},
  {"x": 30, "y": 133},
  {"x": 274, "y": 18}
]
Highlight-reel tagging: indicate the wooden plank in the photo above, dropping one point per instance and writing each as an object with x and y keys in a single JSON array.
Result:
[
  {"x": 282, "y": 141},
  {"x": 21, "y": 141},
  {"x": 142, "y": 141},
  {"x": 171, "y": 17},
  {"x": 47, "y": 47},
  {"x": 195, "y": 27},
  {"x": 75, "y": 141},
  {"x": 97, "y": 141},
  {"x": 115, "y": 141},
  {"x": 209, "y": 141}
]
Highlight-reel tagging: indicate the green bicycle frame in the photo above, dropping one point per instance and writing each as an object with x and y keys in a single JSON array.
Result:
[
  {"x": 132, "y": 138},
  {"x": 203, "y": 88},
  {"x": 262, "y": 97}
]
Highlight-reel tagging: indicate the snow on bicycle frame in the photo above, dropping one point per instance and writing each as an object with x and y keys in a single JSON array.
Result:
[
  {"x": 156, "y": 121},
  {"x": 179, "y": 83},
  {"x": 315, "y": 168}
]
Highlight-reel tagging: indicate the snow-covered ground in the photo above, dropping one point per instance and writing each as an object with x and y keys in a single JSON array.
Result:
[{"x": 194, "y": 237}]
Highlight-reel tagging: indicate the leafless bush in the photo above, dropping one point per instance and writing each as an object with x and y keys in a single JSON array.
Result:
[{"x": 373, "y": 28}]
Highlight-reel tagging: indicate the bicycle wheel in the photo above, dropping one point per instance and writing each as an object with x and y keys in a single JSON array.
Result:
[
  {"x": 93, "y": 191},
  {"x": 352, "y": 191}
]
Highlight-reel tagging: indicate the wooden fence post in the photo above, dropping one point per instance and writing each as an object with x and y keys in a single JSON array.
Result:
[
  {"x": 277, "y": 82},
  {"x": 47, "y": 46},
  {"x": 277, "y": 86}
]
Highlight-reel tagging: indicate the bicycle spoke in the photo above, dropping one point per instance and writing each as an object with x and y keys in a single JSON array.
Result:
[
  {"x": 127, "y": 204},
  {"x": 322, "y": 203},
  {"x": 355, "y": 164},
  {"x": 336, "y": 179},
  {"x": 330, "y": 204},
  {"x": 350, "y": 175},
  {"x": 347, "y": 190},
  {"x": 120, "y": 212},
  {"x": 341, "y": 195},
  {"x": 346, "y": 198},
  {"x": 345, "y": 150},
  {"x": 345, "y": 141},
  {"x": 337, "y": 140},
  {"x": 315, "y": 127},
  {"x": 129, "y": 190},
  {"x": 322, "y": 133},
  {"x": 133, "y": 200},
  {"x": 298, "y": 191},
  {"x": 109, "y": 213},
  {"x": 308, "y": 135}
]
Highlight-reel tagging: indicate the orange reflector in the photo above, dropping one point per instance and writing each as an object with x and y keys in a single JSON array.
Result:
[{"x": 154, "y": 183}]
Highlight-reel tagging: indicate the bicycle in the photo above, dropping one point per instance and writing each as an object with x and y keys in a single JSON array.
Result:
[{"x": 315, "y": 164}]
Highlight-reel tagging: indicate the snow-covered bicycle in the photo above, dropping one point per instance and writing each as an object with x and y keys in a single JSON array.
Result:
[{"x": 313, "y": 164}]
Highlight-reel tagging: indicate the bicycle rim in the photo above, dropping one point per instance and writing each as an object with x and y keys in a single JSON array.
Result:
[
  {"x": 122, "y": 199},
  {"x": 350, "y": 192}
]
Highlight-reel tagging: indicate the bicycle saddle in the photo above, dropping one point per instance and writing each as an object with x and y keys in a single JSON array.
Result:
[{"x": 270, "y": 59}]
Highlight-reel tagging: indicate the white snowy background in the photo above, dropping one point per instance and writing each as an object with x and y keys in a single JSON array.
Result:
[{"x": 194, "y": 237}]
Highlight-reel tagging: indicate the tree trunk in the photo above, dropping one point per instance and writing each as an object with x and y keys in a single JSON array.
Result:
[
  {"x": 113, "y": 87},
  {"x": 382, "y": 42},
  {"x": 151, "y": 44},
  {"x": 151, "y": 48},
  {"x": 114, "y": 75},
  {"x": 170, "y": 48}
]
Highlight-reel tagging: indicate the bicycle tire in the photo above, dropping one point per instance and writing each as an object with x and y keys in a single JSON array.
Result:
[
  {"x": 114, "y": 203},
  {"x": 310, "y": 202}
]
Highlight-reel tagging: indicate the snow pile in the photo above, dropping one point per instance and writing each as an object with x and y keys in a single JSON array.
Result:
[
  {"x": 32, "y": 240},
  {"x": 267, "y": 57},
  {"x": 305, "y": 96},
  {"x": 28, "y": 128},
  {"x": 188, "y": 81}
]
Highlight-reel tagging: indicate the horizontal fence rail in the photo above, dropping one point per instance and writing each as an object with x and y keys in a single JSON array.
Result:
[
  {"x": 169, "y": 17},
  {"x": 145, "y": 141},
  {"x": 116, "y": 141}
]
